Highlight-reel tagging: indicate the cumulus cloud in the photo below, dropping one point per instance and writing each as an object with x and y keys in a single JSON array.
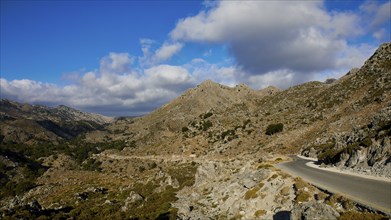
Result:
[
  {"x": 281, "y": 79},
  {"x": 270, "y": 36},
  {"x": 202, "y": 70},
  {"x": 378, "y": 13},
  {"x": 114, "y": 89},
  {"x": 377, "y": 19},
  {"x": 167, "y": 51},
  {"x": 159, "y": 55},
  {"x": 116, "y": 63}
]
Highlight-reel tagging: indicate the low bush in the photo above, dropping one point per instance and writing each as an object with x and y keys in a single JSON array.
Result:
[
  {"x": 274, "y": 128},
  {"x": 207, "y": 115},
  {"x": 207, "y": 125},
  {"x": 303, "y": 196}
]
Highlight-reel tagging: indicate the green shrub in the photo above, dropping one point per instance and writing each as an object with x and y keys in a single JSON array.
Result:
[
  {"x": 185, "y": 129},
  {"x": 207, "y": 115},
  {"x": 24, "y": 186},
  {"x": 92, "y": 165},
  {"x": 274, "y": 128},
  {"x": 328, "y": 155},
  {"x": 207, "y": 125},
  {"x": 366, "y": 142}
]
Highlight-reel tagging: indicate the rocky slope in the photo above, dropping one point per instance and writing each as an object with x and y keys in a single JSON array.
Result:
[{"x": 365, "y": 144}]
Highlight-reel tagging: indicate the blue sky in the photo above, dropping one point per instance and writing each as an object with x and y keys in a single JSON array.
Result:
[{"x": 130, "y": 57}]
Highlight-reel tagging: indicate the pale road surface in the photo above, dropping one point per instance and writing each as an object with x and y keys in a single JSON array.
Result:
[{"x": 369, "y": 192}]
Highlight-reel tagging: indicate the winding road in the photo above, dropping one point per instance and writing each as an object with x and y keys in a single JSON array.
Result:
[{"x": 368, "y": 192}]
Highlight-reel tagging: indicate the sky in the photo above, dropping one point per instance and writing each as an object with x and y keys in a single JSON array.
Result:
[{"x": 121, "y": 58}]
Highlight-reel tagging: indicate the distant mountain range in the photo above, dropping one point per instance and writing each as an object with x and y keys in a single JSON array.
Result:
[{"x": 25, "y": 123}]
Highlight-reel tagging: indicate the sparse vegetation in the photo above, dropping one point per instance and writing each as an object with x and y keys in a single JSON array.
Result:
[{"x": 354, "y": 215}]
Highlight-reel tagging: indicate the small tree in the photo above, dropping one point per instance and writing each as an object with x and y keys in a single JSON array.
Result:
[{"x": 274, "y": 128}]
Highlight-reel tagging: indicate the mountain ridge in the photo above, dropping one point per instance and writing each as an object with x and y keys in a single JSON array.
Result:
[{"x": 26, "y": 123}]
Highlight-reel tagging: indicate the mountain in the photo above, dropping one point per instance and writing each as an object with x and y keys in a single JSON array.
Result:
[
  {"x": 25, "y": 123},
  {"x": 216, "y": 119},
  {"x": 209, "y": 153}
]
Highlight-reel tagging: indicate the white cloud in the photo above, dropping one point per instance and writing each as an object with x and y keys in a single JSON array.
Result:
[
  {"x": 164, "y": 53},
  {"x": 167, "y": 51},
  {"x": 281, "y": 79},
  {"x": 354, "y": 56},
  {"x": 116, "y": 63},
  {"x": 114, "y": 89},
  {"x": 271, "y": 36},
  {"x": 380, "y": 34},
  {"x": 378, "y": 13},
  {"x": 376, "y": 18},
  {"x": 202, "y": 70}
]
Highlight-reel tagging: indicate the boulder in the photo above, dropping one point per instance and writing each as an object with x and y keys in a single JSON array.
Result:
[
  {"x": 134, "y": 199},
  {"x": 357, "y": 157},
  {"x": 314, "y": 210}
]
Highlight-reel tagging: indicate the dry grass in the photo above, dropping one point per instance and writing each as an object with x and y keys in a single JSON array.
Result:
[
  {"x": 283, "y": 175},
  {"x": 300, "y": 184},
  {"x": 272, "y": 177},
  {"x": 347, "y": 204},
  {"x": 303, "y": 196},
  {"x": 354, "y": 215},
  {"x": 285, "y": 191},
  {"x": 260, "y": 213},
  {"x": 265, "y": 166},
  {"x": 321, "y": 196},
  {"x": 251, "y": 193}
]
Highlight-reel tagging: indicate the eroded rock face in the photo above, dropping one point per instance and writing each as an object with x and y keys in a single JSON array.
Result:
[
  {"x": 366, "y": 149},
  {"x": 379, "y": 151},
  {"x": 314, "y": 210}
]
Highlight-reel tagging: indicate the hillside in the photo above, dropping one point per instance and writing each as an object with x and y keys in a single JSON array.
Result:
[
  {"x": 30, "y": 124},
  {"x": 209, "y": 153}
]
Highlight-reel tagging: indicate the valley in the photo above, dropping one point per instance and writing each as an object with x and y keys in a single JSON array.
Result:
[{"x": 215, "y": 152}]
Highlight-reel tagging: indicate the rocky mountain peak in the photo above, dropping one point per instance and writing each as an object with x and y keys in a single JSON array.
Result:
[
  {"x": 270, "y": 90},
  {"x": 210, "y": 85},
  {"x": 381, "y": 59}
]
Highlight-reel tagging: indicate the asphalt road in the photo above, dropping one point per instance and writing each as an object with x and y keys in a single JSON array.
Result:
[{"x": 372, "y": 193}]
